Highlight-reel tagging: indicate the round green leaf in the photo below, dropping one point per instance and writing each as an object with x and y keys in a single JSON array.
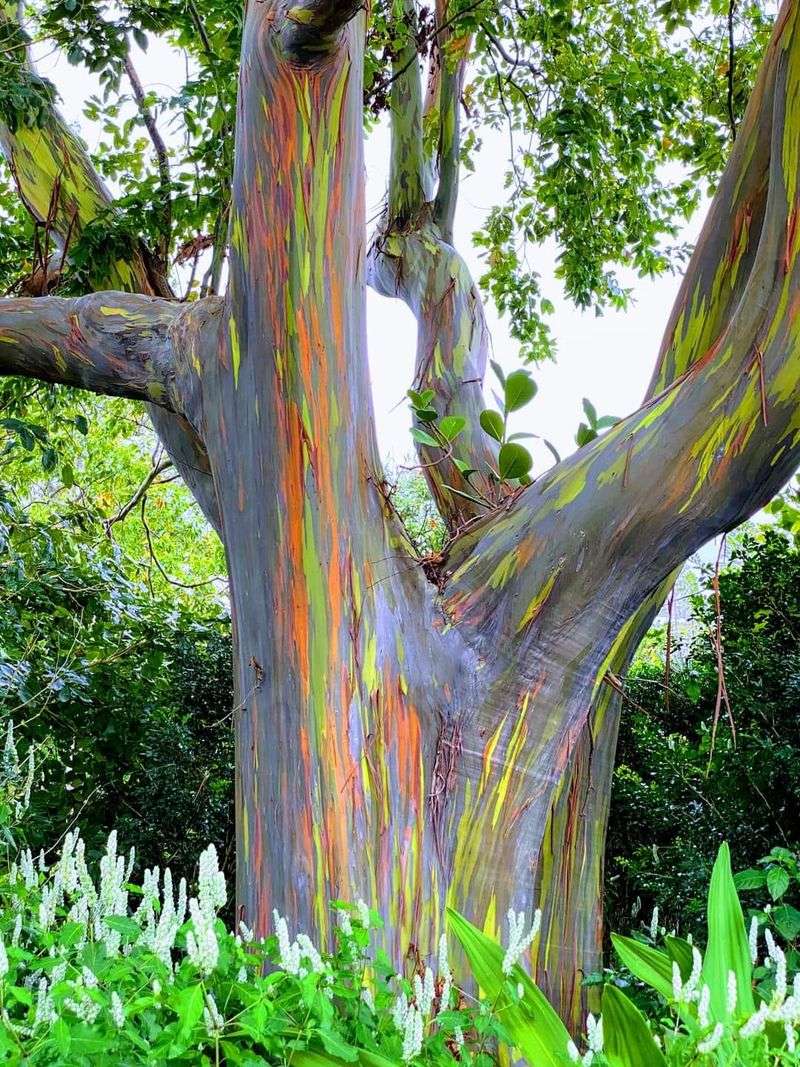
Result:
[
  {"x": 492, "y": 423},
  {"x": 520, "y": 389},
  {"x": 451, "y": 426},
  {"x": 514, "y": 461}
]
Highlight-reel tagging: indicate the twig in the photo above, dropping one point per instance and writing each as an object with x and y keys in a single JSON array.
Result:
[
  {"x": 162, "y": 156},
  {"x": 731, "y": 63},
  {"x": 716, "y": 641},
  {"x": 126, "y": 509}
]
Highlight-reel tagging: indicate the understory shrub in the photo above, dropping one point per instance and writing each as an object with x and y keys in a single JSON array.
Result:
[
  {"x": 676, "y": 796},
  {"x": 97, "y": 968},
  {"x": 127, "y": 696}
]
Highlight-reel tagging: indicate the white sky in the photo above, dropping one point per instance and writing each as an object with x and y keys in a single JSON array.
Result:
[{"x": 608, "y": 359}]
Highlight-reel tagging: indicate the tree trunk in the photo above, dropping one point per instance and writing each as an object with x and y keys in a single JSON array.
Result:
[{"x": 439, "y": 735}]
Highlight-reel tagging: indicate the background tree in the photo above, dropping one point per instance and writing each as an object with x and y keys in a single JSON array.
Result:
[{"x": 422, "y": 732}]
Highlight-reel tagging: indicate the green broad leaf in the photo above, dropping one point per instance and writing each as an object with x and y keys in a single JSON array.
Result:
[
  {"x": 140, "y": 37},
  {"x": 584, "y": 435},
  {"x": 61, "y": 1036},
  {"x": 606, "y": 422},
  {"x": 124, "y": 926},
  {"x": 590, "y": 411},
  {"x": 451, "y": 426},
  {"x": 188, "y": 1005},
  {"x": 777, "y": 881},
  {"x": 522, "y": 436},
  {"x": 680, "y": 952},
  {"x": 728, "y": 948},
  {"x": 49, "y": 459},
  {"x": 787, "y": 920},
  {"x": 650, "y": 965},
  {"x": 750, "y": 879},
  {"x": 416, "y": 398},
  {"x": 492, "y": 423},
  {"x": 519, "y": 390},
  {"x": 627, "y": 1041},
  {"x": 514, "y": 461},
  {"x": 426, "y": 414},
  {"x": 464, "y": 469},
  {"x": 531, "y": 1023},
  {"x": 424, "y": 438},
  {"x": 337, "y": 1046}
]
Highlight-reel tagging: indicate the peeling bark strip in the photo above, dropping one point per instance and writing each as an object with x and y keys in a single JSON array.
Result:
[{"x": 424, "y": 743}]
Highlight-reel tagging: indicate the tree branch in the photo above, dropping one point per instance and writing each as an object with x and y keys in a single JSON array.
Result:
[
  {"x": 116, "y": 344},
  {"x": 56, "y": 180},
  {"x": 697, "y": 459},
  {"x": 406, "y": 172},
  {"x": 445, "y": 94},
  {"x": 162, "y": 157}
]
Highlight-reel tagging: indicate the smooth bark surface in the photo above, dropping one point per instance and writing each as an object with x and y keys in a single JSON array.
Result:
[{"x": 442, "y": 735}]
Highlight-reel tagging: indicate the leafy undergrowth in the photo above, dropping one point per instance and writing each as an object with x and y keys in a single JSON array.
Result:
[{"x": 98, "y": 969}]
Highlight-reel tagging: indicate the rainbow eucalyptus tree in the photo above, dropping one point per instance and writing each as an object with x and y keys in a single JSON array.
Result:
[{"x": 423, "y": 733}]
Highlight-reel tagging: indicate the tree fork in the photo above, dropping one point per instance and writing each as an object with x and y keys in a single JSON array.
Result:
[{"x": 424, "y": 744}]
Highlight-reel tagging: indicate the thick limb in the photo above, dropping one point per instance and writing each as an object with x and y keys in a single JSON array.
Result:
[
  {"x": 59, "y": 186},
  {"x": 116, "y": 344},
  {"x": 412, "y": 258},
  {"x": 712, "y": 287}
]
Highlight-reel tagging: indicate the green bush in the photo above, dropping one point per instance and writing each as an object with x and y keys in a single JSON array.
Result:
[
  {"x": 127, "y": 696},
  {"x": 674, "y": 800},
  {"x": 97, "y": 969}
]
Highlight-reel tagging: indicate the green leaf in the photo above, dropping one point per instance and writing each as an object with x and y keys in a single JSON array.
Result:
[
  {"x": 464, "y": 469},
  {"x": 451, "y": 426},
  {"x": 49, "y": 457},
  {"x": 606, "y": 421},
  {"x": 61, "y": 1036},
  {"x": 498, "y": 370},
  {"x": 519, "y": 390},
  {"x": 188, "y": 1005},
  {"x": 777, "y": 881},
  {"x": 426, "y": 414},
  {"x": 337, "y": 1046},
  {"x": 648, "y": 964},
  {"x": 124, "y": 926},
  {"x": 590, "y": 412},
  {"x": 750, "y": 879},
  {"x": 728, "y": 948},
  {"x": 584, "y": 435},
  {"x": 681, "y": 952},
  {"x": 627, "y": 1039},
  {"x": 420, "y": 400},
  {"x": 531, "y": 1022},
  {"x": 424, "y": 438},
  {"x": 514, "y": 461},
  {"x": 306, "y": 1058},
  {"x": 492, "y": 423},
  {"x": 81, "y": 424},
  {"x": 787, "y": 919},
  {"x": 140, "y": 37}
]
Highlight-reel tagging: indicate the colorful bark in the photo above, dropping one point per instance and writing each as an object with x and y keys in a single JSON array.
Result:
[
  {"x": 109, "y": 343},
  {"x": 56, "y": 181},
  {"x": 421, "y": 743}
]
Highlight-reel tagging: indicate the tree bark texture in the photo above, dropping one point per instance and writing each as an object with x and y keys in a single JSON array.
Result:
[{"x": 439, "y": 736}]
